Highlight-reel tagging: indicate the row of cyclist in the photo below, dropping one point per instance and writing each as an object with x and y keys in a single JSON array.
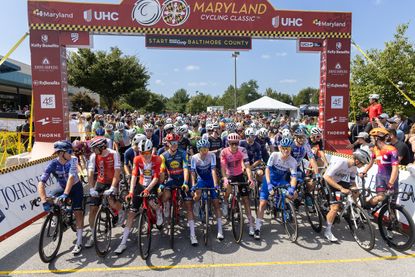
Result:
[{"x": 213, "y": 166}]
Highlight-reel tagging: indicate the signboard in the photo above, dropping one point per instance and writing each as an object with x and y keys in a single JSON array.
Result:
[
  {"x": 75, "y": 39},
  {"x": 195, "y": 42},
  {"x": 310, "y": 45}
]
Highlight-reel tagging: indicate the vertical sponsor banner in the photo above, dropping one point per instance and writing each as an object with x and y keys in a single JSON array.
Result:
[
  {"x": 334, "y": 88},
  {"x": 49, "y": 91}
]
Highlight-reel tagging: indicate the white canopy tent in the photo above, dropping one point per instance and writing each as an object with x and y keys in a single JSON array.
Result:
[{"x": 268, "y": 104}]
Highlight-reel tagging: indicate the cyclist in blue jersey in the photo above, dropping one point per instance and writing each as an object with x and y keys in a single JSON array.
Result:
[
  {"x": 263, "y": 140},
  {"x": 149, "y": 132},
  {"x": 130, "y": 154},
  {"x": 175, "y": 170},
  {"x": 279, "y": 164},
  {"x": 203, "y": 172},
  {"x": 64, "y": 169},
  {"x": 252, "y": 148}
]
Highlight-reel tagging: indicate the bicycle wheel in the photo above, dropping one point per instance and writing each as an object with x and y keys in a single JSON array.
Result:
[
  {"x": 144, "y": 234},
  {"x": 396, "y": 227},
  {"x": 314, "y": 216},
  {"x": 102, "y": 232},
  {"x": 322, "y": 201},
  {"x": 361, "y": 227},
  {"x": 256, "y": 198},
  {"x": 206, "y": 217},
  {"x": 50, "y": 237},
  {"x": 172, "y": 224},
  {"x": 237, "y": 218},
  {"x": 289, "y": 219}
]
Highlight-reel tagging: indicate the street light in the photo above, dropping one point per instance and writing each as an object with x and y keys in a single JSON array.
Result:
[{"x": 235, "y": 55}]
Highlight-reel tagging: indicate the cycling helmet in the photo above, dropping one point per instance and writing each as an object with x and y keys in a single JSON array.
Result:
[
  {"x": 108, "y": 127},
  {"x": 315, "y": 131},
  {"x": 286, "y": 133},
  {"x": 158, "y": 123},
  {"x": 234, "y": 137},
  {"x": 168, "y": 127},
  {"x": 299, "y": 132},
  {"x": 179, "y": 118},
  {"x": 169, "y": 121},
  {"x": 63, "y": 145},
  {"x": 231, "y": 127},
  {"x": 286, "y": 142},
  {"x": 148, "y": 127},
  {"x": 362, "y": 156},
  {"x": 139, "y": 121},
  {"x": 99, "y": 142},
  {"x": 145, "y": 145},
  {"x": 182, "y": 130},
  {"x": 172, "y": 137},
  {"x": 262, "y": 133},
  {"x": 209, "y": 127},
  {"x": 239, "y": 126},
  {"x": 137, "y": 138},
  {"x": 253, "y": 125},
  {"x": 203, "y": 143},
  {"x": 379, "y": 132},
  {"x": 76, "y": 144},
  {"x": 100, "y": 131},
  {"x": 374, "y": 96},
  {"x": 249, "y": 132},
  {"x": 120, "y": 126},
  {"x": 215, "y": 126}
]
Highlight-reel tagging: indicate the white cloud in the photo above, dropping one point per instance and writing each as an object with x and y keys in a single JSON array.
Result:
[
  {"x": 288, "y": 81},
  {"x": 281, "y": 54},
  {"x": 176, "y": 70},
  {"x": 265, "y": 56},
  {"x": 192, "y": 67},
  {"x": 159, "y": 82},
  {"x": 197, "y": 84},
  {"x": 378, "y": 2}
]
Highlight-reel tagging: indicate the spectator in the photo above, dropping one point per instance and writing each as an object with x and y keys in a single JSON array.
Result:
[
  {"x": 356, "y": 128},
  {"x": 374, "y": 109},
  {"x": 404, "y": 155},
  {"x": 393, "y": 124}
]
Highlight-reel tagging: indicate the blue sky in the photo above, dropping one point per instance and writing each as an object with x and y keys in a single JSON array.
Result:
[{"x": 273, "y": 63}]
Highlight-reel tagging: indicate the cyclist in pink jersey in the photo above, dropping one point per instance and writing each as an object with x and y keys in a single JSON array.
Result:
[{"x": 233, "y": 160}]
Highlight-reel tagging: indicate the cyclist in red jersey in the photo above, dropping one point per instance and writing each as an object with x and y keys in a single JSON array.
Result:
[
  {"x": 386, "y": 157},
  {"x": 146, "y": 168},
  {"x": 233, "y": 161},
  {"x": 374, "y": 109},
  {"x": 107, "y": 164}
]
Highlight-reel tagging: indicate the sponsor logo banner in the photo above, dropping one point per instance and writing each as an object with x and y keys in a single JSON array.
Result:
[
  {"x": 309, "y": 45},
  {"x": 220, "y": 15},
  {"x": 205, "y": 42},
  {"x": 75, "y": 39}
]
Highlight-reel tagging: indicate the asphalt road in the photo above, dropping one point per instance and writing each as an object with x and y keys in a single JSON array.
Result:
[{"x": 311, "y": 255}]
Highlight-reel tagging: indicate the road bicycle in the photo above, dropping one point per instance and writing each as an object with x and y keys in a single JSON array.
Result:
[
  {"x": 236, "y": 214},
  {"x": 205, "y": 211},
  {"x": 311, "y": 207},
  {"x": 283, "y": 211},
  {"x": 254, "y": 193},
  {"x": 59, "y": 219},
  {"x": 176, "y": 203},
  {"x": 146, "y": 220},
  {"x": 396, "y": 225}
]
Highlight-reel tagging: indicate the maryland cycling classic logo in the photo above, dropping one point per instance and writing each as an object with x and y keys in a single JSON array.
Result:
[{"x": 149, "y": 12}]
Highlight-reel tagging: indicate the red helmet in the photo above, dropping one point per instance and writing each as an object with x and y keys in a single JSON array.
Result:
[{"x": 172, "y": 137}]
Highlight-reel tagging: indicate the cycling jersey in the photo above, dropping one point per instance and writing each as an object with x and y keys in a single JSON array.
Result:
[
  {"x": 232, "y": 162},
  {"x": 122, "y": 138},
  {"x": 129, "y": 156},
  {"x": 299, "y": 152},
  {"x": 263, "y": 143},
  {"x": 340, "y": 171},
  {"x": 105, "y": 165},
  {"x": 204, "y": 167},
  {"x": 61, "y": 171},
  {"x": 215, "y": 143},
  {"x": 83, "y": 149},
  {"x": 385, "y": 159},
  {"x": 279, "y": 167},
  {"x": 184, "y": 144},
  {"x": 154, "y": 140},
  {"x": 174, "y": 163},
  {"x": 253, "y": 150},
  {"x": 146, "y": 171}
]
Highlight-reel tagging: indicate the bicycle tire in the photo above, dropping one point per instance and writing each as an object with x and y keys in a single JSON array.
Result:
[
  {"x": 256, "y": 198},
  {"x": 55, "y": 234},
  {"x": 172, "y": 223},
  {"x": 395, "y": 226},
  {"x": 237, "y": 218},
  {"x": 102, "y": 233},
  {"x": 317, "y": 223},
  {"x": 206, "y": 229},
  {"x": 144, "y": 234},
  {"x": 359, "y": 220},
  {"x": 289, "y": 219}
]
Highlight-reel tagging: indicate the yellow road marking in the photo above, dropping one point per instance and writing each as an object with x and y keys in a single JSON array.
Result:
[{"x": 201, "y": 266}]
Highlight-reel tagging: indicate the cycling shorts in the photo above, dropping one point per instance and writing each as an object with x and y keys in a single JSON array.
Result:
[
  {"x": 243, "y": 189},
  {"x": 137, "y": 200},
  {"x": 207, "y": 184},
  {"x": 186, "y": 196},
  {"x": 100, "y": 188},
  {"x": 382, "y": 183},
  {"x": 76, "y": 195},
  {"x": 264, "y": 193}
]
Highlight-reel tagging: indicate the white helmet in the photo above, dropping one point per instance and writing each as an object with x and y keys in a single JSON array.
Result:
[
  {"x": 286, "y": 133},
  {"x": 249, "y": 132},
  {"x": 169, "y": 121},
  {"x": 120, "y": 126},
  {"x": 145, "y": 145},
  {"x": 148, "y": 126},
  {"x": 315, "y": 131},
  {"x": 138, "y": 138},
  {"x": 374, "y": 96},
  {"x": 179, "y": 118},
  {"x": 139, "y": 121}
]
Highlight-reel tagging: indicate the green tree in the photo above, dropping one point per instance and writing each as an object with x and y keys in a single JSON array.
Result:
[
  {"x": 111, "y": 75},
  {"x": 82, "y": 100},
  {"x": 248, "y": 92},
  {"x": 178, "y": 102},
  {"x": 283, "y": 97},
  {"x": 396, "y": 62},
  {"x": 227, "y": 100},
  {"x": 306, "y": 96},
  {"x": 156, "y": 103},
  {"x": 138, "y": 99},
  {"x": 200, "y": 102}
]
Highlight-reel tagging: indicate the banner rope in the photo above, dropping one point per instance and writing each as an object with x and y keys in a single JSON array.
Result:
[{"x": 13, "y": 48}]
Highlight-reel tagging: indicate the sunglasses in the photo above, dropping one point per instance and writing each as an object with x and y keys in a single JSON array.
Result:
[
  {"x": 286, "y": 148},
  {"x": 173, "y": 142},
  {"x": 146, "y": 153},
  {"x": 233, "y": 143},
  {"x": 317, "y": 137}
]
